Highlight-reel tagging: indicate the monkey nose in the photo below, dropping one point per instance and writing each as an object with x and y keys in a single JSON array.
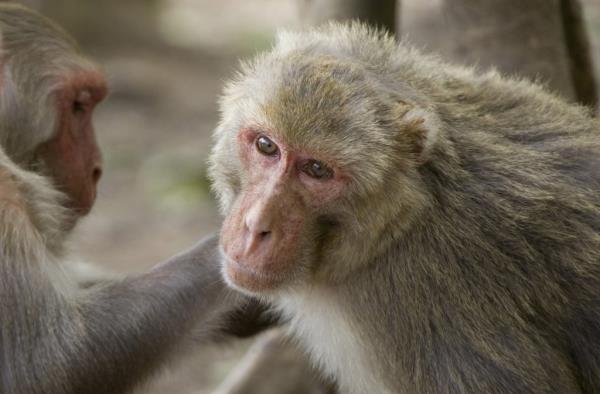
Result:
[
  {"x": 258, "y": 220},
  {"x": 257, "y": 232},
  {"x": 96, "y": 173},
  {"x": 255, "y": 239}
]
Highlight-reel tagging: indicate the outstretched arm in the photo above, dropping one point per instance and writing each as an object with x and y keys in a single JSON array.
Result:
[{"x": 105, "y": 339}]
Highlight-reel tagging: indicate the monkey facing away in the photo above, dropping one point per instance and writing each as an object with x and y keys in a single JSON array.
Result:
[
  {"x": 426, "y": 228},
  {"x": 54, "y": 337}
]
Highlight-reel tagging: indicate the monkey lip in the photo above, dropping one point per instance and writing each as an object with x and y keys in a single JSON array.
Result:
[{"x": 247, "y": 278}]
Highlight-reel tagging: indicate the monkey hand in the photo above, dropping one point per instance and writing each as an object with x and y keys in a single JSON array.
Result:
[
  {"x": 244, "y": 316},
  {"x": 253, "y": 317}
]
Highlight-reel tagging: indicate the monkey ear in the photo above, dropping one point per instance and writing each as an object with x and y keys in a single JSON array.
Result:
[{"x": 418, "y": 129}]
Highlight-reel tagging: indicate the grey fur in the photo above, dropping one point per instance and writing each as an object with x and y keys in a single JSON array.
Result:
[
  {"x": 36, "y": 54},
  {"x": 465, "y": 255},
  {"x": 55, "y": 338}
]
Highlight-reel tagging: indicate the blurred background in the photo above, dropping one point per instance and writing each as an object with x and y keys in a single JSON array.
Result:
[{"x": 166, "y": 61}]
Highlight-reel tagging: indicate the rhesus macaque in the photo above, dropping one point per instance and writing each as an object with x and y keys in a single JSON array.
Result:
[
  {"x": 426, "y": 228},
  {"x": 54, "y": 337}
]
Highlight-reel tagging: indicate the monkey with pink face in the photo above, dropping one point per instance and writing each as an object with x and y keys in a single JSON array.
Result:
[
  {"x": 57, "y": 337},
  {"x": 425, "y": 227}
]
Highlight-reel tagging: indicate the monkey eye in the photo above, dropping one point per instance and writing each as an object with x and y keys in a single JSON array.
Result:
[
  {"x": 317, "y": 169},
  {"x": 266, "y": 146}
]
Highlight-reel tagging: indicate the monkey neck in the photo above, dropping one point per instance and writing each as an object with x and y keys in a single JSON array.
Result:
[{"x": 328, "y": 331}]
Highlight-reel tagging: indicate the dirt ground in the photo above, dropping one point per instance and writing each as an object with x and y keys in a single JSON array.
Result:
[{"x": 155, "y": 132}]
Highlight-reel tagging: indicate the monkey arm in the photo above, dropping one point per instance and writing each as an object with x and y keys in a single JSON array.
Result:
[
  {"x": 140, "y": 320},
  {"x": 251, "y": 318},
  {"x": 56, "y": 338},
  {"x": 106, "y": 339}
]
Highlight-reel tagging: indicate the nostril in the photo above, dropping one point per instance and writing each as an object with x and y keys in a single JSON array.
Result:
[
  {"x": 96, "y": 174},
  {"x": 264, "y": 234}
]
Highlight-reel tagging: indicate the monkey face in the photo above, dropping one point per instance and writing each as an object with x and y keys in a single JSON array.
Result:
[
  {"x": 72, "y": 156},
  {"x": 309, "y": 151},
  {"x": 269, "y": 237}
]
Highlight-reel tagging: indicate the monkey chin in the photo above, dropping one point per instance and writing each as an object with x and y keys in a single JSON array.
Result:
[{"x": 248, "y": 280}]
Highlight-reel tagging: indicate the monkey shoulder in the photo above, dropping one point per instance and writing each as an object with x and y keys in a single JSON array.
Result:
[{"x": 30, "y": 208}]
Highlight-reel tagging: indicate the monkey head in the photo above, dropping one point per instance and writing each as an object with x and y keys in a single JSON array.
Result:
[
  {"x": 71, "y": 156},
  {"x": 47, "y": 97},
  {"x": 314, "y": 161}
]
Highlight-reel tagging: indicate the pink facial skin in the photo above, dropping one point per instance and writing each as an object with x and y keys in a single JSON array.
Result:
[
  {"x": 72, "y": 155},
  {"x": 262, "y": 234}
]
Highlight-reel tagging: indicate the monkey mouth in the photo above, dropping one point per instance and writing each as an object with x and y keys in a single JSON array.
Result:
[{"x": 247, "y": 279}]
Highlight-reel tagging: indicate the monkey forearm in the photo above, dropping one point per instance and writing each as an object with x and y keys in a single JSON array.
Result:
[
  {"x": 184, "y": 291},
  {"x": 119, "y": 332},
  {"x": 138, "y": 321}
]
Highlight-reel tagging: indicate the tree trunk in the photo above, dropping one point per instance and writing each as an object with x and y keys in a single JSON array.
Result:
[
  {"x": 543, "y": 40},
  {"x": 580, "y": 54}
]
